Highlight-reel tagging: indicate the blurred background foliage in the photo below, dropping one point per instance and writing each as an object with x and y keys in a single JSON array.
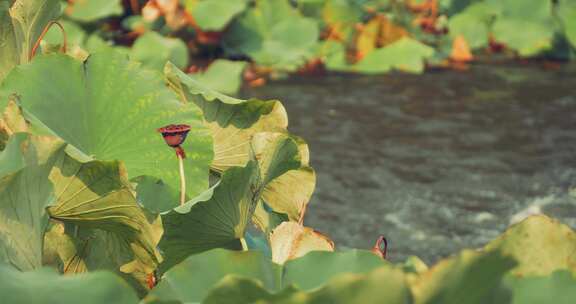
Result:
[{"x": 257, "y": 40}]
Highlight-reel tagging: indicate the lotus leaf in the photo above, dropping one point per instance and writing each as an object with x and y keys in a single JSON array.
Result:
[
  {"x": 46, "y": 286},
  {"x": 222, "y": 75},
  {"x": 109, "y": 109},
  {"x": 92, "y": 10},
  {"x": 214, "y": 15},
  {"x": 154, "y": 50}
]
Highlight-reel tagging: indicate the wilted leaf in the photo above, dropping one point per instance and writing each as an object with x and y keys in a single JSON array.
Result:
[
  {"x": 109, "y": 108},
  {"x": 46, "y": 286},
  {"x": 291, "y": 240},
  {"x": 460, "y": 50}
]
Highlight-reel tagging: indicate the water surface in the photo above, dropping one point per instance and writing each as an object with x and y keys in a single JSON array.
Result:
[{"x": 435, "y": 162}]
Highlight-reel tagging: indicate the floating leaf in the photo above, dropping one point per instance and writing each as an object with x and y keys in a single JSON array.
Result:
[
  {"x": 214, "y": 15},
  {"x": 291, "y": 240},
  {"x": 46, "y": 286},
  {"x": 222, "y": 75},
  {"x": 108, "y": 108},
  {"x": 567, "y": 13},
  {"x": 92, "y": 10},
  {"x": 534, "y": 37},
  {"x": 406, "y": 55},
  {"x": 154, "y": 50},
  {"x": 273, "y": 33}
]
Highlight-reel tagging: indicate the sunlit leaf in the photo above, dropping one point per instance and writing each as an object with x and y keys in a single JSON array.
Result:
[
  {"x": 232, "y": 121},
  {"x": 98, "y": 195},
  {"x": 540, "y": 244},
  {"x": 109, "y": 108},
  {"x": 291, "y": 240}
]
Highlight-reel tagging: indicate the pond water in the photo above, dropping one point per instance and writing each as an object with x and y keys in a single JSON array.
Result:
[{"x": 435, "y": 162}]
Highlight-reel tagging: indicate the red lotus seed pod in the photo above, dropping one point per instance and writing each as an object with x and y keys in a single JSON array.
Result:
[{"x": 174, "y": 136}]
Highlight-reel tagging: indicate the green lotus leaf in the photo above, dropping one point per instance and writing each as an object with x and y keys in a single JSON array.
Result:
[
  {"x": 557, "y": 288},
  {"x": 191, "y": 280},
  {"x": 154, "y": 50},
  {"x": 290, "y": 191},
  {"x": 8, "y": 44},
  {"x": 470, "y": 277},
  {"x": 222, "y": 75},
  {"x": 473, "y": 23},
  {"x": 75, "y": 35},
  {"x": 92, "y": 10},
  {"x": 541, "y": 245},
  {"x": 109, "y": 109},
  {"x": 406, "y": 55},
  {"x": 534, "y": 37},
  {"x": 567, "y": 13},
  {"x": 315, "y": 268},
  {"x": 383, "y": 285},
  {"x": 23, "y": 217},
  {"x": 214, "y": 15},
  {"x": 273, "y": 33},
  {"x": 217, "y": 222},
  {"x": 20, "y": 27},
  {"x": 46, "y": 286},
  {"x": 232, "y": 121},
  {"x": 98, "y": 195},
  {"x": 195, "y": 278},
  {"x": 11, "y": 158}
]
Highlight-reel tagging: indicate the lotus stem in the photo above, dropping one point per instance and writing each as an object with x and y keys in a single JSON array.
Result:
[
  {"x": 182, "y": 179},
  {"x": 46, "y": 28},
  {"x": 244, "y": 244}
]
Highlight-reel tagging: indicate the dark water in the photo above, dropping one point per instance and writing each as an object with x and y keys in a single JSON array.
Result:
[{"x": 436, "y": 162}]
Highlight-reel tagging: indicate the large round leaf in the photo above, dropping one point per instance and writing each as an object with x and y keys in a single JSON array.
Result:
[
  {"x": 48, "y": 287},
  {"x": 109, "y": 109}
]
